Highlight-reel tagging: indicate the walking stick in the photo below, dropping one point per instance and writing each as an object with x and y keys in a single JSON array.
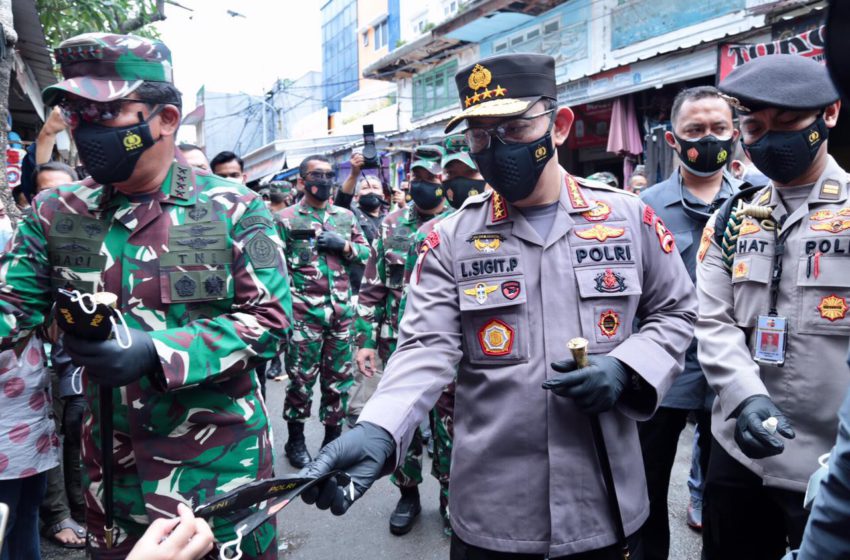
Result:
[{"x": 578, "y": 348}]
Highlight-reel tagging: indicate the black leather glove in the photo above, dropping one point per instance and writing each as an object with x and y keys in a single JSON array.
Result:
[
  {"x": 362, "y": 453},
  {"x": 331, "y": 242},
  {"x": 110, "y": 365},
  {"x": 751, "y": 436},
  {"x": 595, "y": 388}
]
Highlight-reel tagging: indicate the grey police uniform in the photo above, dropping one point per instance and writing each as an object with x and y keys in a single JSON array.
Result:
[
  {"x": 813, "y": 294},
  {"x": 492, "y": 301}
]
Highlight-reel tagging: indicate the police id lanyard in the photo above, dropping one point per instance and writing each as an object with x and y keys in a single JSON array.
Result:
[{"x": 772, "y": 329}]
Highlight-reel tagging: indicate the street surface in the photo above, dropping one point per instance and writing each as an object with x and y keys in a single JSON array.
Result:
[{"x": 305, "y": 533}]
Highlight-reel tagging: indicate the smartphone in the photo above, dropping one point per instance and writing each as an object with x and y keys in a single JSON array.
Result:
[{"x": 4, "y": 517}]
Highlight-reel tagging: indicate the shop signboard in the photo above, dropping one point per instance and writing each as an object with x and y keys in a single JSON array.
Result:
[{"x": 808, "y": 43}]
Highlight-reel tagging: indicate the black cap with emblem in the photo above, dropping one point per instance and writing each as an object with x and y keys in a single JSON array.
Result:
[
  {"x": 838, "y": 44},
  {"x": 788, "y": 81},
  {"x": 504, "y": 86}
]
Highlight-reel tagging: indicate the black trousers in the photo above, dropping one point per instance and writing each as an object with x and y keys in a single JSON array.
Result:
[
  {"x": 462, "y": 551},
  {"x": 659, "y": 440},
  {"x": 742, "y": 518}
]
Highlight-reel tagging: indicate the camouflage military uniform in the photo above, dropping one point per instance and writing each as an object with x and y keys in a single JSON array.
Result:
[
  {"x": 440, "y": 418},
  {"x": 378, "y": 307},
  {"x": 321, "y": 343},
  {"x": 197, "y": 265}
]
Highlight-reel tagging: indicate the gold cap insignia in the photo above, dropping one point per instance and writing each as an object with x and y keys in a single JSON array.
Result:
[{"x": 480, "y": 77}]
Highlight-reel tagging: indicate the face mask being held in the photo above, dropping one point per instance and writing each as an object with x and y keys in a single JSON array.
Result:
[
  {"x": 514, "y": 169},
  {"x": 706, "y": 156},
  {"x": 784, "y": 156},
  {"x": 110, "y": 154},
  {"x": 426, "y": 195},
  {"x": 370, "y": 202},
  {"x": 462, "y": 188}
]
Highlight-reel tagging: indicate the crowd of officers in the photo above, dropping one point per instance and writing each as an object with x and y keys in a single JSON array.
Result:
[{"x": 706, "y": 297}]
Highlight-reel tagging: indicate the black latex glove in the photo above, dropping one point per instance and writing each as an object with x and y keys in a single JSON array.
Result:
[
  {"x": 751, "y": 436},
  {"x": 110, "y": 365},
  {"x": 595, "y": 388},
  {"x": 362, "y": 453},
  {"x": 331, "y": 242}
]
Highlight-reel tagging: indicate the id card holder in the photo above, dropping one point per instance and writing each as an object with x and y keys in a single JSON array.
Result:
[{"x": 770, "y": 336}]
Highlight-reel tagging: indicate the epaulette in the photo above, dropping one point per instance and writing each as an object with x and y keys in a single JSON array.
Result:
[
  {"x": 732, "y": 214},
  {"x": 591, "y": 184}
]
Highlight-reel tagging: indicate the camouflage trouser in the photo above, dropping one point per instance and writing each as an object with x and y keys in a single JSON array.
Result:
[
  {"x": 153, "y": 473},
  {"x": 409, "y": 473},
  {"x": 323, "y": 350}
]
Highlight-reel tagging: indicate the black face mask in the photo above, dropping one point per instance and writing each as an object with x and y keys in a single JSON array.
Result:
[
  {"x": 462, "y": 188},
  {"x": 370, "y": 202},
  {"x": 110, "y": 154},
  {"x": 706, "y": 156},
  {"x": 514, "y": 169},
  {"x": 320, "y": 189},
  {"x": 784, "y": 156},
  {"x": 426, "y": 196}
]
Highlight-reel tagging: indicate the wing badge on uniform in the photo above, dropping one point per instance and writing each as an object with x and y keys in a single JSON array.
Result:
[
  {"x": 486, "y": 242},
  {"x": 600, "y": 232},
  {"x": 822, "y": 215},
  {"x": 835, "y": 226},
  {"x": 481, "y": 292},
  {"x": 749, "y": 228}
]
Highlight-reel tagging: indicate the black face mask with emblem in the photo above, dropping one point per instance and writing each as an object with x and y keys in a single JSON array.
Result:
[
  {"x": 514, "y": 169},
  {"x": 706, "y": 156},
  {"x": 426, "y": 196},
  {"x": 110, "y": 154},
  {"x": 319, "y": 189},
  {"x": 462, "y": 188},
  {"x": 784, "y": 156}
]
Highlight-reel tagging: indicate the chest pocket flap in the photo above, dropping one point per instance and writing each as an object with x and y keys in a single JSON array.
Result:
[{"x": 612, "y": 281}]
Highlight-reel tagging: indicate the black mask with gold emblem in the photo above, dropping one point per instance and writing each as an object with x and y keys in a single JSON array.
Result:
[
  {"x": 706, "y": 156},
  {"x": 110, "y": 154},
  {"x": 514, "y": 169},
  {"x": 785, "y": 155}
]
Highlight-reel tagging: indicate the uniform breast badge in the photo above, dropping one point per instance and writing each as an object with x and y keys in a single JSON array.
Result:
[
  {"x": 496, "y": 338},
  {"x": 481, "y": 292},
  {"x": 833, "y": 307},
  {"x": 609, "y": 322},
  {"x": 600, "y": 232}
]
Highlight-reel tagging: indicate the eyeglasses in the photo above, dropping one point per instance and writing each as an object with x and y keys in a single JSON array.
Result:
[
  {"x": 515, "y": 131},
  {"x": 319, "y": 175},
  {"x": 77, "y": 109}
]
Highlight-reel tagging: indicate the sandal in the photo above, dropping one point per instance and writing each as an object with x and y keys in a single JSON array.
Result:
[{"x": 51, "y": 533}]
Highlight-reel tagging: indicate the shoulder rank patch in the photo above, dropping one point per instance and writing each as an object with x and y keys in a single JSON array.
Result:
[
  {"x": 431, "y": 242},
  {"x": 486, "y": 242},
  {"x": 665, "y": 237},
  {"x": 749, "y": 228},
  {"x": 496, "y": 338},
  {"x": 262, "y": 251},
  {"x": 598, "y": 213},
  {"x": 574, "y": 192},
  {"x": 833, "y": 307},
  {"x": 705, "y": 242},
  {"x": 822, "y": 215},
  {"x": 481, "y": 292},
  {"x": 835, "y": 226},
  {"x": 765, "y": 196},
  {"x": 600, "y": 232},
  {"x": 648, "y": 215},
  {"x": 609, "y": 322},
  {"x": 830, "y": 190},
  {"x": 498, "y": 208}
]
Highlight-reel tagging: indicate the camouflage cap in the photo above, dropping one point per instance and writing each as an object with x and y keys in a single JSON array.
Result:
[
  {"x": 457, "y": 149},
  {"x": 428, "y": 157},
  {"x": 104, "y": 66}
]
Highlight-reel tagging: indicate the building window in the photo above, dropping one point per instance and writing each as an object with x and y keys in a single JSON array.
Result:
[
  {"x": 366, "y": 38},
  {"x": 551, "y": 26},
  {"x": 382, "y": 34},
  {"x": 434, "y": 90}
]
